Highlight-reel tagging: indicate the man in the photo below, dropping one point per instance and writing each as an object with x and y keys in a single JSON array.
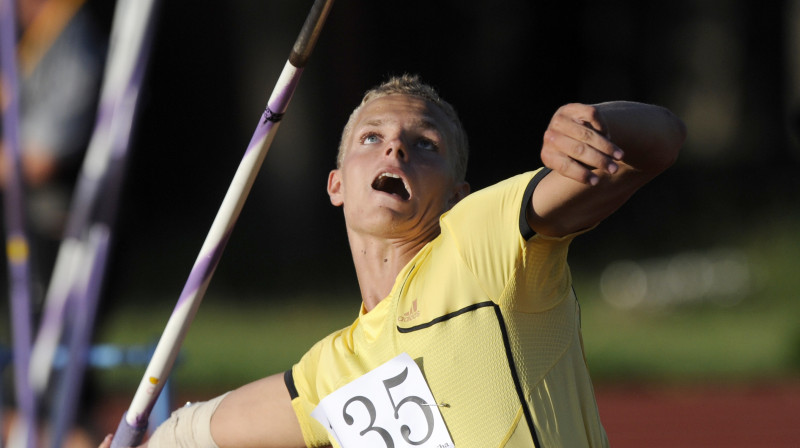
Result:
[
  {"x": 473, "y": 287},
  {"x": 61, "y": 57}
]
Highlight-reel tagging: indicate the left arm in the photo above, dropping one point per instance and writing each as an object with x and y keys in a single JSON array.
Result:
[{"x": 600, "y": 155}]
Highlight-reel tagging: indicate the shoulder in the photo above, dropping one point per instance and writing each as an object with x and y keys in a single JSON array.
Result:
[{"x": 501, "y": 206}]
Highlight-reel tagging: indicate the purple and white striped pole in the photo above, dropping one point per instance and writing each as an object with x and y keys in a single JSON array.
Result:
[
  {"x": 80, "y": 266},
  {"x": 100, "y": 176},
  {"x": 134, "y": 423},
  {"x": 17, "y": 243},
  {"x": 134, "y": 24}
]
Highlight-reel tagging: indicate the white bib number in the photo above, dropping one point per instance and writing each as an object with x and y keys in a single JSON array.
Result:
[{"x": 391, "y": 406}]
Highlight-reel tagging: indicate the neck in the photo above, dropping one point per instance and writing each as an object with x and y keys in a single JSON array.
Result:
[{"x": 378, "y": 261}]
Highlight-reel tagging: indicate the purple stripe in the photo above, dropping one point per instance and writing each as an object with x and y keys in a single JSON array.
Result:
[
  {"x": 277, "y": 106},
  {"x": 262, "y": 130},
  {"x": 88, "y": 189},
  {"x": 203, "y": 270},
  {"x": 135, "y": 81},
  {"x": 143, "y": 418},
  {"x": 105, "y": 114},
  {"x": 127, "y": 100},
  {"x": 280, "y": 102},
  {"x": 84, "y": 306},
  {"x": 14, "y": 215},
  {"x": 127, "y": 435}
]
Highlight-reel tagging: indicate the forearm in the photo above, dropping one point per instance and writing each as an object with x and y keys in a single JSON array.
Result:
[
  {"x": 188, "y": 426},
  {"x": 259, "y": 414},
  {"x": 651, "y": 136}
]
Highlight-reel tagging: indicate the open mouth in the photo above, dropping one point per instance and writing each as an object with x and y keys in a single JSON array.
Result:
[{"x": 392, "y": 184}]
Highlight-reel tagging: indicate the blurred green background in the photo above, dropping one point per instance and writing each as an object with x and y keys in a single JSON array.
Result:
[
  {"x": 694, "y": 280},
  {"x": 692, "y": 335}
]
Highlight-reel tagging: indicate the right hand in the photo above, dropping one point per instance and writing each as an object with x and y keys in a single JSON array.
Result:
[
  {"x": 106, "y": 443},
  {"x": 576, "y": 143}
]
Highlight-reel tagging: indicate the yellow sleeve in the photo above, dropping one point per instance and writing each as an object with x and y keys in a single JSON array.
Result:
[
  {"x": 517, "y": 268},
  {"x": 300, "y": 382},
  {"x": 485, "y": 227}
]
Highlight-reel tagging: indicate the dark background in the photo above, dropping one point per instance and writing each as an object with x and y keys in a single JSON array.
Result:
[{"x": 728, "y": 68}]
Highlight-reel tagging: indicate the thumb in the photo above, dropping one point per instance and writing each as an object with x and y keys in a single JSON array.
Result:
[{"x": 106, "y": 443}]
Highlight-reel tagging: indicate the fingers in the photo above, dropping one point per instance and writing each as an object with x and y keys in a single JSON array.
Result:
[
  {"x": 576, "y": 144},
  {"x": 106, "y": 443}
]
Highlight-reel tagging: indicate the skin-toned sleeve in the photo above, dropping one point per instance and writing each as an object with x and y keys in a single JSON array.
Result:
[
  {"x": 259, "y": 414},
  {"x": 600, "y": 155}
]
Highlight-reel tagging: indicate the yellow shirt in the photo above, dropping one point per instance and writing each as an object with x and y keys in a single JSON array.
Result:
[{"x": 488, "y": 313}]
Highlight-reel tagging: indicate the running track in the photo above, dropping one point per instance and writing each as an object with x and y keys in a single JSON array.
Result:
[
  {"x": 641, "y": 416},
  {"x": 753, "y": 416}
]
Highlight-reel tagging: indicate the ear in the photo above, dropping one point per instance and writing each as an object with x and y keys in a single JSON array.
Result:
[
  {"x": 460, "y": 191},
  {"x": 335, "y": 188}
]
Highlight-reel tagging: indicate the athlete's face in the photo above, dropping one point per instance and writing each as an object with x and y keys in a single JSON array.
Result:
[{"x": 397, "y": 170}]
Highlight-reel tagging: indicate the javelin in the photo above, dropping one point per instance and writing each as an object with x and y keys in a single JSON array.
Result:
[
  {"x": 17, "y": 243},
  {"x": 134, "y": 423},
  {"x": 82, "y": 257},
  {"x": 106, "y": 152}
]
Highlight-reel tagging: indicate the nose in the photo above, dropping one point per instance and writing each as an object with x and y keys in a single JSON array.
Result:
[{"x": 396, "y": 148}]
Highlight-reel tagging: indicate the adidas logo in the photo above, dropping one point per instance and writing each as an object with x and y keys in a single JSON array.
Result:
[{"x": 411, "y": 314}]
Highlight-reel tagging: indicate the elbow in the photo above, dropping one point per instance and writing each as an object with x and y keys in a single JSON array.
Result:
[
  {"x": 679, "y": 134},
  {"x": 672, "y": 140},
  {"x": 681, "y": 130}
]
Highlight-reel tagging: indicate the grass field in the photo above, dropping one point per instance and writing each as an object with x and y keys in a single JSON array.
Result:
[{"x": 755, "y": 337}]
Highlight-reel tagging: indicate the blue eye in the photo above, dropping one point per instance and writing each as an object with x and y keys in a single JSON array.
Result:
[
  {"x": 426, "y": 144},
  {"x": 371, "y": 138}
]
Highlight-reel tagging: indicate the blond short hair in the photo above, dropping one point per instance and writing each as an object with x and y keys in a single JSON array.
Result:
[{"x": 411, "y": 85}]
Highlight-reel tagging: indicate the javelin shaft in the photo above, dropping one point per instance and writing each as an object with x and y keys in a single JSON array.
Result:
[
  {"x": 17, "y": 243},
  {"x": 134, "y": 423},
  {"x": 132, "y": 35},
  {"x": 83, "y": 310},
  {"x": 99, "y": 182}
]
